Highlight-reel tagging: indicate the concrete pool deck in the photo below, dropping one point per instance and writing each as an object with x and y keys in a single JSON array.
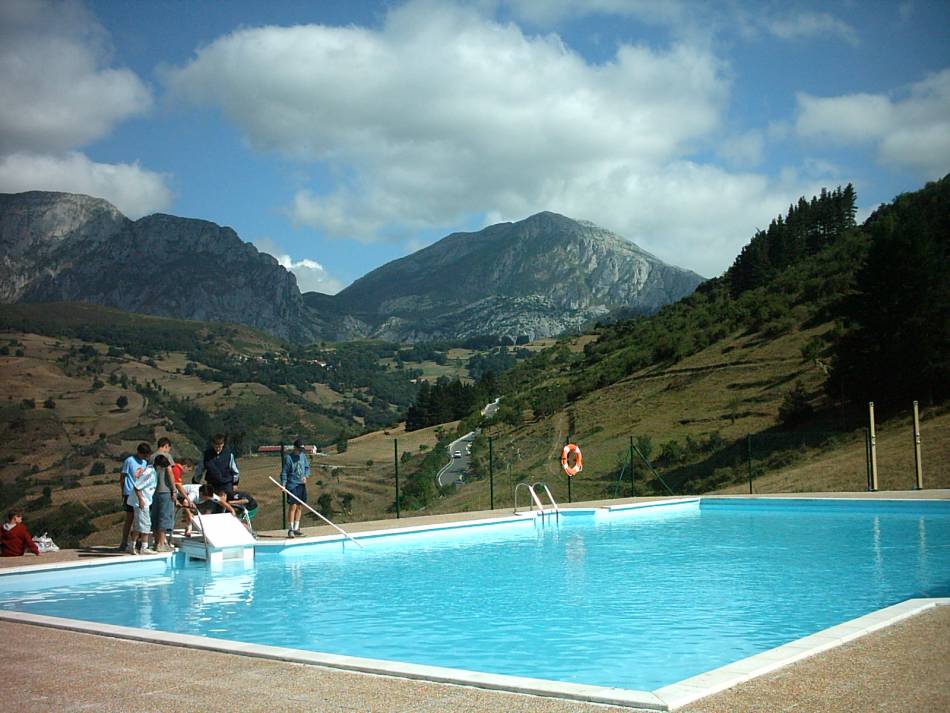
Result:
[{"x": 903, "y": 667}]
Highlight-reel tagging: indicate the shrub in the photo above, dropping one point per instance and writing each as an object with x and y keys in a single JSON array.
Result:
[{"x": 795, "y": 406}]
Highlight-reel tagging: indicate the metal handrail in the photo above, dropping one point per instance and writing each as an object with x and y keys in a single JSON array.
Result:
[
  {"x": 557, "y": 510},
  {"x": 535, "y": 498}
]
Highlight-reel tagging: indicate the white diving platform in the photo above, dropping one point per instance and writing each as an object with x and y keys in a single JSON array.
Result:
[{"x": 224, "y": 538}]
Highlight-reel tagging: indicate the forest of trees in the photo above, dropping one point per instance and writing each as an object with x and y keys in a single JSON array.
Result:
[
  {"x": 806, "y": 229},
  {"x": 448, "y": 400},
  {"x": 896, "y": 347}
]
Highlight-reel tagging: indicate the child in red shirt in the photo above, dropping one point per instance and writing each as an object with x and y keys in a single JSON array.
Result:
[{"x": 15, "y": 539}]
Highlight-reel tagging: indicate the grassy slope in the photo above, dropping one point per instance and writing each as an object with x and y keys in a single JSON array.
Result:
[
  {"x": 845, "y": 468},
  {"x": 733, "y": 387},
  {"x": 45, "y": 444}
]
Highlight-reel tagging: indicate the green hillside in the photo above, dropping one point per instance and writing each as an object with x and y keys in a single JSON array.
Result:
[{"x": 755, "y": 372}]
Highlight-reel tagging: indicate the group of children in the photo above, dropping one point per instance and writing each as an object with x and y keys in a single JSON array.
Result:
[{"x": 153, "y": 488}]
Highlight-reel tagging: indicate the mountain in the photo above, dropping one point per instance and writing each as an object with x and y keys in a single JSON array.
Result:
[
  {"x": 535, "y": 278},
  {"x": 65, "y": 247}
]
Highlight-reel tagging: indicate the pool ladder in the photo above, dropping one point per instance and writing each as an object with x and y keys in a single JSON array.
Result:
[{"x": 536, "y": 500}]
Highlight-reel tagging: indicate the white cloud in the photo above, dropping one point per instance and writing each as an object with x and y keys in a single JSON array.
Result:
[
  {"x": 59, "y": 94},
  {"x": 442, "y": 114},
  {"x": 911, "y": 131},
  {"x": 130, "y": 188},
  {"x": 57, "y": 91},
  {"x": 697, "y": 20},
  {"x": 746, "y": 149},
  {"x": 311, "y": 275},
  {"x": 687, "y": 214},
  {"x": 548, "y": 12},
  {"x": 806, "y": 25}
]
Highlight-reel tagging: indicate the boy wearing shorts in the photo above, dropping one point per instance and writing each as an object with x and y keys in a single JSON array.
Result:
[
  {"x": 140, "y": 498},
  {"x": 131, "y": 468},
  {"x": 293, "y": 476}
]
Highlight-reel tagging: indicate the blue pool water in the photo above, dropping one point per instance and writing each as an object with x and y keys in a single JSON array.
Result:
[{"x": 633, "y": 599}]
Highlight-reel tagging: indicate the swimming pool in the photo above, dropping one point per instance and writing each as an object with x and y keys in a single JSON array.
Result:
[{"x": 636, "y": 598}]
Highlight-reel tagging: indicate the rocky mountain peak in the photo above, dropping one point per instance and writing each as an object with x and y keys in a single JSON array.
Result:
[
  {"x": 537, "y": 277},
  {"x": 63, "y": 247}
]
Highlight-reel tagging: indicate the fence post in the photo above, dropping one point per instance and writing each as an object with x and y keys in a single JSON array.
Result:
[
  {"x": 396, "y": 463},
  {"x": 873, "y": 438},
  {"x": 918, "y": 466},
  {"x": 633, "y": 490},
  {"x": 569, "y": 479},
  {"x": 867, "y": 458},
  {"x": 491, "y": 474},
  {"x": 283, "y": 495},
  {"x": 748, "y": 440}
]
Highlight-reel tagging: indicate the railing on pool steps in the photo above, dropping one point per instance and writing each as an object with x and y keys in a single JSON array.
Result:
[{"x": 535, "y": 498}]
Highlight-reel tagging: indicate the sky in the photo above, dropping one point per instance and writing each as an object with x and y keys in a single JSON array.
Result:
[{"x": 338, "y": 135}]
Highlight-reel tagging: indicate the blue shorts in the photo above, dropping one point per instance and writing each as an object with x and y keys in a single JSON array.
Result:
[
  {"x": 300, "y": 490},
  {"x": 163, "y": 512}
]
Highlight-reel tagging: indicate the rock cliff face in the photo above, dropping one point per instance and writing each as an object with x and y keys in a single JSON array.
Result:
[
  {"x": 538, "y": 277},
  {"x": 535, "y": 278},
  {"x": 35, "y": 226},
  {"x": 60, "y": 246}
]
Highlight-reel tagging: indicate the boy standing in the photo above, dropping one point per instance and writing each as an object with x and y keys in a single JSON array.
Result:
[
  {"x": 219, "y": 467},
  {"x": 293, "y": 476},
  {"x": 140, "y": 498},
  {"x": 133, "y": 467},
  {"x": 163, "y": 504}
]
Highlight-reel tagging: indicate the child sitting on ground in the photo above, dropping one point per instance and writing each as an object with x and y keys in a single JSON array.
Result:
[{"x": 15, "y": 537}]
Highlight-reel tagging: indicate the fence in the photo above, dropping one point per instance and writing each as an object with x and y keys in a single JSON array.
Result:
[{"x": 771, "y": 461}]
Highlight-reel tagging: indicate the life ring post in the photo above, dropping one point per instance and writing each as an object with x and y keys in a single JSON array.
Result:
[{"x": 578, "y": 466}]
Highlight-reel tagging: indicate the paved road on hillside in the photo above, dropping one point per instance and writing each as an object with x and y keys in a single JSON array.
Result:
[{"x": 457, "y": 467}]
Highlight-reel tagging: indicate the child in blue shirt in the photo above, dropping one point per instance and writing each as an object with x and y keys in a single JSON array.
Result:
[
  {"x": 144, "y": 481},
  {"x": 134, "y": 465}
]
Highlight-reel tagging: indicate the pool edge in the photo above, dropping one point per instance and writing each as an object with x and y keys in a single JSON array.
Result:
[
  {"x": 689, "y": 690},
  {"x": 628, "y": 698},
  {"x": 666, "y": 698}
]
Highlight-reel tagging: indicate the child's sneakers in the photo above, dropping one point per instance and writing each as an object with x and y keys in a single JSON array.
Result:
[
  {"x": 130, "y": 549},
  {"x": 291, "y": 534},
  {"x": 147, "y": 551}
]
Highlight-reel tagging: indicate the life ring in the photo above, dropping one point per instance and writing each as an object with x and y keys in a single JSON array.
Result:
[{"x": 578, "y": 459}]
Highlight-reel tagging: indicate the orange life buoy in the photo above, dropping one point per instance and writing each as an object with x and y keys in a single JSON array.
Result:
[{"x": 578, "y": 459}]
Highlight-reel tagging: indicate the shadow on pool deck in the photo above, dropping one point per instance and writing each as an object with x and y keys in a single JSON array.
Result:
[{"x": 905, "y": 667}]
